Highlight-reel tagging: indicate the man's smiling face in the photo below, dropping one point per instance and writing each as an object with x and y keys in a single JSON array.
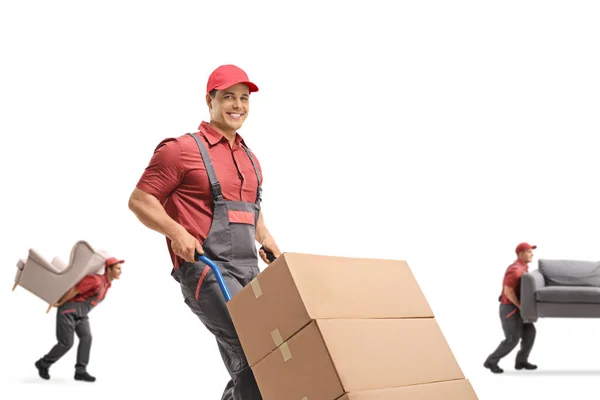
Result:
[{"x": 229, "y": 108}]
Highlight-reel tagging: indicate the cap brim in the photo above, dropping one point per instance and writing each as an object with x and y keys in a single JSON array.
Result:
[{"x": 251, "y": 86}]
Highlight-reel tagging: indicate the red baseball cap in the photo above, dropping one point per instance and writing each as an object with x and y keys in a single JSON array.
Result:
[
  {"x": 524, "y": 246},
  {"x": 226, "y": 76},
  {"x": 112, "y": 261}
]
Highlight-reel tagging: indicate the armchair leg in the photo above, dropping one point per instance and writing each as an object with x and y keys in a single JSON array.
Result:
[{"x": 15, "y": 286}]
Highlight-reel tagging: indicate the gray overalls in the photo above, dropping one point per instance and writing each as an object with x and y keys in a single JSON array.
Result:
[
  {"x": 72, "y": 317},
  {"x": 515, "y": 330},
  {"x": 230, "y": 243}
]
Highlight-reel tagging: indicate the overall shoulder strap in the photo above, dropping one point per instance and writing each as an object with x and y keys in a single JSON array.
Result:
[
  {"x": 210, "y": 170},
  {"x": 256, "y": 171}
]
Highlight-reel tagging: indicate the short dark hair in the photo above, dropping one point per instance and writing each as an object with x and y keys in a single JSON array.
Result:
[{"x": 212, "y": 93}]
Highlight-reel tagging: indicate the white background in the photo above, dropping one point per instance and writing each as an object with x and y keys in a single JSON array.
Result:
[{"x": 442, "y": 133}]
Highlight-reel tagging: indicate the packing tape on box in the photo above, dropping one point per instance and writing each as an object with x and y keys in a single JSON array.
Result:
[
  {"x": 305, "y": 398},
  {"x": 285, "y": 352},
  {"x": 256, "y": 288},
  {"x": 277, "y": 339}
]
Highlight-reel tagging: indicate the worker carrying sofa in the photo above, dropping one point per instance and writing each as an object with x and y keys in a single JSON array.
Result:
[{"x": 515, "y": 329}]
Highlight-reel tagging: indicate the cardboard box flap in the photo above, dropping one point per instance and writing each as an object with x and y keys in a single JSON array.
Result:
[
  {"x": 300, "y": 368},
  {"x": 385, "y": 353},
  {"x": 267, "y": 312},
  {"x": 449, "y": 390},
  {"x": 330, "y": 357},
  {"x": 341, "y": 287}
]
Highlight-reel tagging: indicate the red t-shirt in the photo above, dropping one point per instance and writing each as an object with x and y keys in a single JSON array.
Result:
[
  {"x": 90, "y": 286},
  {"x": 177, "y": 177},
  {"x": 512, "y": 279}
]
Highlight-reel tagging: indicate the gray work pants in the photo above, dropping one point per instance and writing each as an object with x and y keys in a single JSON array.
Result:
[
  {"x": 515, "y": 330},
  {"x": 71, "y": 319}
]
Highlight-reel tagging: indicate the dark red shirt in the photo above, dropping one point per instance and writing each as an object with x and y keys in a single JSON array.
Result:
[
  {"x": 512, "y": 279},
  {"x": 177, "y": 177},
  {"x": 90, "y": 286}
]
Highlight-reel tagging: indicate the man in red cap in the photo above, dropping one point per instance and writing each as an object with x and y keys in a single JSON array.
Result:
[
  {"x": 514, "y": 328},
  {"x": 202, "y": 191},
  {"x": 72, "y": 318}
]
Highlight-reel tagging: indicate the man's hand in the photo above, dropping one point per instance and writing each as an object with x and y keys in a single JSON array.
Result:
[
  {"x": 269, "y": 245},
  {"x": 185, "y": 245}
]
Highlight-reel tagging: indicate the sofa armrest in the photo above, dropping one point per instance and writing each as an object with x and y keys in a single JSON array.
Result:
[{"x": 531, "y": 282}]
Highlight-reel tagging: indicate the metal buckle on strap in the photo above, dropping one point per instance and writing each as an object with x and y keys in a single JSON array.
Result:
[{"x": 216, "y": 189}]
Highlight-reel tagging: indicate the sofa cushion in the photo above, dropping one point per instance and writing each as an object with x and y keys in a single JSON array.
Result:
[
  {"x": 570, "y": 272},
  {"x": 568, "y": 294}
]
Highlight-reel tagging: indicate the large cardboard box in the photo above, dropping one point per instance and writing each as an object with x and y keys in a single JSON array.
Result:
[
  {"x": 298, "y": 288},
  {"x": 331, "y": 357},
  {"x": 460, "y": 389}
]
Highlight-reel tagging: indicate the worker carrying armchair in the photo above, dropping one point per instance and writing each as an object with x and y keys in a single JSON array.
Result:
[
  {"x": 50, "y": 280},
  {"x": 75, "y": 289}
]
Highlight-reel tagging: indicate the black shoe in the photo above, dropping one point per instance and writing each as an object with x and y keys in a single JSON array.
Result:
[
  {"x": 493, "y": 367},
  {"x": 525, "y": 365},
  {"x": 42, "y": 371},
  {"x": 84, "y": 376}
]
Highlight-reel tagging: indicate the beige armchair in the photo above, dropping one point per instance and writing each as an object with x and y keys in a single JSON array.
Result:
[{"x": 51, "y": 280}]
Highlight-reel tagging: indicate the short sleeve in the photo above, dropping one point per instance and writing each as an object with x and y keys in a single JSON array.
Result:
[
  {"x": 511, "y": 279},
  {"x": 87, "y": 284},
  {"x": 164, "y": 171}
]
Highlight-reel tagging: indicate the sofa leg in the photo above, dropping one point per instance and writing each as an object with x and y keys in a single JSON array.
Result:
[
  {"x": 49, "y": 308},
  {"x": 15, "y": 286}
]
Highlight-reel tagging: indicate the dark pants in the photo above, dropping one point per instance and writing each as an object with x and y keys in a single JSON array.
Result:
[
  {"x": 68, "y": 323},
  {"x": 203, "y": 296},
  {"x": 515, "y": 330}
]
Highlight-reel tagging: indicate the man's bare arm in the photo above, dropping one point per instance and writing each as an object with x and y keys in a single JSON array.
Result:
[
  {"x": 262, "y": 233},
  {"x": 263, "y": 236},
  {"x": 510, "y": 293},
  {"x": 152, "y": 214}
]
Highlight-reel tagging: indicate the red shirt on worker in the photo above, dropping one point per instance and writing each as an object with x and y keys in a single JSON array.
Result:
[
  {"x": 90, "y": 286},
  {"x": 177, "y": 177},
  {"x": 512, "y": 279}
]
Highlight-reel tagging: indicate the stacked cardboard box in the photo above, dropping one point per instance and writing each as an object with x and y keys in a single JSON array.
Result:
[{"x": 325, "y": 328}]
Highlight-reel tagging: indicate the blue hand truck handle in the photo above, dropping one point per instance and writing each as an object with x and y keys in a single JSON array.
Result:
[{"x": 217, "y": 273}]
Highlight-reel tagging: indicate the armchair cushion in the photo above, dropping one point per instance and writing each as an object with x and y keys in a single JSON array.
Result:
[{"x": 59, "y": 264}]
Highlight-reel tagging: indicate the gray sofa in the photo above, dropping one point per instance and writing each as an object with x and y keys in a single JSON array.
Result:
[{"x": 561, "y": 289}]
